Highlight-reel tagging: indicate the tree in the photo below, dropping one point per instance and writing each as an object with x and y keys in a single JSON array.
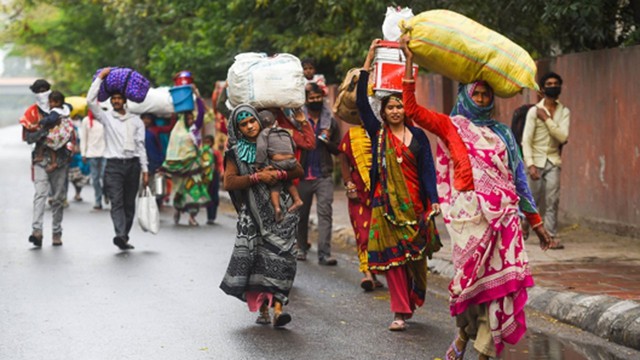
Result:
[{"x": 161, "y": 37}]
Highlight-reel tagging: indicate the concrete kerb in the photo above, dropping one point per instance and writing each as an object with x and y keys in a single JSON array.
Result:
[{"x": 610, "y": 318}]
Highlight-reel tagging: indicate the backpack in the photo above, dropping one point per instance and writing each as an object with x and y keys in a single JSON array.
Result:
[
  {"x": 345, "y": 105},
  {"x": 517, "y": 122}
]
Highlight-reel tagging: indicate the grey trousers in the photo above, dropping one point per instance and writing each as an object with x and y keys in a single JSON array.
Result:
[
  {"x": 547, "y": 188},
  {"x": 43, "y": 182},
  {"x": 121, "y": 183},
  {"x": 97, "y": 166},
  {"x": 323, "y": 189}
]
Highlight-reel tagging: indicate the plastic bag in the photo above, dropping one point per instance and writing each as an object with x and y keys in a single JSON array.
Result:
[
  {"x": 390, "y": 29},
  {"x": 148, "y": 214},
  {"x": 266, "y": 82},
  {"x": 464, "y": 50}
]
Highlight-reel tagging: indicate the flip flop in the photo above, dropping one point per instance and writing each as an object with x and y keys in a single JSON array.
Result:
[
  {"x": 367, "y": 284},
  {"x": 453, "y": 350},
  {"x": 263, "y": 319},
  {"x": 378, "y": 284},
  {"x": 281, "y": 319},
  {"x": 556, "y": 246},
  {"x": 398, "y": 325}
]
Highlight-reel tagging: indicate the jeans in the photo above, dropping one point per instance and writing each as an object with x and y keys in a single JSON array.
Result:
[
  {"x": 97, "y": 166},
  {"x": 45, "y": 183},
  {"x": 547, "y": 188},
  {"x": 323, "y": 189},
  {"x": 121, "y": 183}
]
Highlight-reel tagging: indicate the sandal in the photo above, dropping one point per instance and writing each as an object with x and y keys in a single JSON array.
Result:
[
  {"x": 453, "y": 351},
  {"x": 264, "y": 318},
  {"x": 367, "y": 284},
  {"x": 377, "y": 284},
  {"x": 281, "y": 319},
  {"x": 398, "y": 325},
  {"x": 555, "y": 245}
]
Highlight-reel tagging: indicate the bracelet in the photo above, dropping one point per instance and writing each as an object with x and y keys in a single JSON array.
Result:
[
  {"x": 282, "y": 175},
  {"x": 409, "y": 81},
  {"x": 349, "y": 191},
  {"x": 253, "y": 179},
  {"x": 537, "y": 225}
]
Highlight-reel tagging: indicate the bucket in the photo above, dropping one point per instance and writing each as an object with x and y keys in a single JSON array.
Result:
[{"x": 182, "y": 98}]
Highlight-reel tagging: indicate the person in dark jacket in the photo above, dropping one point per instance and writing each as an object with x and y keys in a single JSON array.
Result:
[{"x": 317, "y": 180}]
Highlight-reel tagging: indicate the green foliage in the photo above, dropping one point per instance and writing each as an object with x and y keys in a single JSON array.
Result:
[{"x": 160, "y": 37}]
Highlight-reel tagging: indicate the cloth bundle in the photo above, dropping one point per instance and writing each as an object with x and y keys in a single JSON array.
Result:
[
  {"x": 130, "y": 83},
  {"x": 464, "y": 50},
  {"x": 266, "y": 82}
]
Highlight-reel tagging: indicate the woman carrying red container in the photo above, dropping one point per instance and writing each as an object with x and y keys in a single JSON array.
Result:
[{"x": 402, "y": 234}]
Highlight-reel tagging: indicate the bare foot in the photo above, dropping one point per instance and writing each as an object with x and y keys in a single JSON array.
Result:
[
  {"x": 297, "y": 204},
  {"x": 279, "y": 215}
]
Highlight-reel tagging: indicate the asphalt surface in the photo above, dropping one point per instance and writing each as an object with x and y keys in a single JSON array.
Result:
[{"x": 88, "y": 300}]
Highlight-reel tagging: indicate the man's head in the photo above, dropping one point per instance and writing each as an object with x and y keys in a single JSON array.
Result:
[
  {"x": 308, "y": 68},
  {"x": 56, "y": 99},
  {"x": 40, "y": 86},
  {"x": 147, "y": 119},
  {"x": 266, "y": 118},
  {"x": 551, "y": 85},
  {"x": 314, "y": 97},
  {"x": 117, "y": 101},
  {"x": 208, "y": 140}
]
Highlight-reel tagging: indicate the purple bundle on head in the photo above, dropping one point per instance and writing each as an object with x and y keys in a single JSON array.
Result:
[{"x": 131, "y": 84}]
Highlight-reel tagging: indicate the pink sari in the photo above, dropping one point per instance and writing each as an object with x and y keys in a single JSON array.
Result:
[{"x": 491, "y": 265}]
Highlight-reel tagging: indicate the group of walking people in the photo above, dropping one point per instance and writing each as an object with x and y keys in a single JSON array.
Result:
[
  {"x": 478, "y": 183},
  {"x": 276, "y": 160}
]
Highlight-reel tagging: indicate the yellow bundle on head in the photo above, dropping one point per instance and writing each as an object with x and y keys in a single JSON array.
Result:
[{"x": 464, "y": 50}]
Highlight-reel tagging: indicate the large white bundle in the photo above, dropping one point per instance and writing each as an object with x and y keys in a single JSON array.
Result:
[
  {"x": 264, "y": 82},
  {"x": 158, "y": 102}
]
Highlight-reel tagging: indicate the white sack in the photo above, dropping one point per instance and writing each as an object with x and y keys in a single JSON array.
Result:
[
  {"x": 158, "y": 102},
  {"x": 265, "y": 82}
]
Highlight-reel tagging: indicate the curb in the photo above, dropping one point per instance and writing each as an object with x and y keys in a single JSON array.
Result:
[{"x": 610, "y": 318}]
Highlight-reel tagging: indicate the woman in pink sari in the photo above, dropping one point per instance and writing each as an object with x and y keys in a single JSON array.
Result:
[{"x": 483, "y": 193}]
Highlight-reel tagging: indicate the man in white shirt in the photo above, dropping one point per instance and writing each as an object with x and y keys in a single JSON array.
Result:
[
  {"x": 126, "y": 157},
  {"x": 545, "y": 131},
  {"x": 92, "y": 150}
]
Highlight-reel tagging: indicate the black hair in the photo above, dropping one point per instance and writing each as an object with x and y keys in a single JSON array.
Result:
[
  {"x": 40, "y": 85},
  {"x": 56, "y": 96},
  {"x": 266, "y": 118},
  {"x": 308, "y": 61},
  {"x": 548, "y": 76},
  {"x": 209, "y": 137},
  {"x": 147, "y": 115},
  {"x": 313, "y": 88},
  {"x": 385, "y": 100}
]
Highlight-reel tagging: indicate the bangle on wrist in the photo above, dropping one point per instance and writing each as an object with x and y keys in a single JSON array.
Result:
[{"x": 409, "y": 81}]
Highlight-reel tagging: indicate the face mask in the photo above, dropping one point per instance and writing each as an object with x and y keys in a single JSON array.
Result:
[
  {"x": 42, "y": 100},
  {"x": 315, "y": 105},
  {"x": 552, "y": 92}
]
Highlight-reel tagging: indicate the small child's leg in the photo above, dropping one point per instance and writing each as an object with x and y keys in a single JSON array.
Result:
[
  {"x": 53, "y": 165},
  {"x": 38, "y": 154},
  {"x": 297, "y": 202},
  {"x": 275, "y": 201}
]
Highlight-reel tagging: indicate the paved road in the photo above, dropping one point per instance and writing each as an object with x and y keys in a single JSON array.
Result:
[{"x": 87, "y": 300}]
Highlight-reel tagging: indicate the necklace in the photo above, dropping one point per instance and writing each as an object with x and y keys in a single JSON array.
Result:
[{"x": 399, "y": 148}]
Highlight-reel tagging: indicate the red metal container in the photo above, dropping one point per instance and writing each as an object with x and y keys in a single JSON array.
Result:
[{"x": 388, "y": 67}]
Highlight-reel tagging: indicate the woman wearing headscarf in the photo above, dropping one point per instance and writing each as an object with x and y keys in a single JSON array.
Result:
[
  {"x": 187, "y": 164},
  {"x": 263, "y": 263},
  {"x": 402, "y": 232},
  {"x": 483, "y": 193}
]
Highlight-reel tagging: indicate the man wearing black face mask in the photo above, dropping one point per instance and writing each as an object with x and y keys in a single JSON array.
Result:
[
  {"x": 318, "y": 169},
  {"x": 545, "y": 131}
]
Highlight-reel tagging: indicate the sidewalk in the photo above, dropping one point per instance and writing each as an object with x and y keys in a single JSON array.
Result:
[{"x": 593, "y": 284}]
